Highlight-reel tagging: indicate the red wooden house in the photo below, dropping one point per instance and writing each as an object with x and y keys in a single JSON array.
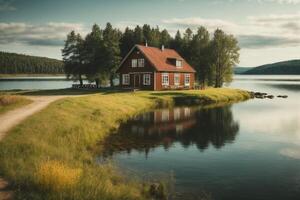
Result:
[{"x": 153, "y": 68}]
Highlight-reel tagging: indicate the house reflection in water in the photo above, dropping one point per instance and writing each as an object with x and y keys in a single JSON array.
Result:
[
  {"x": 162, "y": 121},
  {"x": 165, "y": 127}
]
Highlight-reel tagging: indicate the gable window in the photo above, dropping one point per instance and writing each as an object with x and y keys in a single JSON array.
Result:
[
  {"x": 178, "y": 63},
  {"x": 141, "y": 62},
  {"x": 165, "y": 79},
  {"x": 176, "y": 79},
  {"x": 125, "y": 79},
  {"x": 187, "y": 78},
  {"x": 147, "y": 79},
  {"x": 134, "y": 63}
]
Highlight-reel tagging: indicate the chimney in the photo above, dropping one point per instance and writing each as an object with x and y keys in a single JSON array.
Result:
[
  {"x": 162, "y": 47},
  {"x": 146, "y": 43}
]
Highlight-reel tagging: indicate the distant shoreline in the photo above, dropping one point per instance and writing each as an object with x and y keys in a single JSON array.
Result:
[{"x": 29, "y": 75}]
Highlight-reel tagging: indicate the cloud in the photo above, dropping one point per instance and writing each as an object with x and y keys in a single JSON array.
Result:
[
  {"x": 49, "y": 34},
  {"x": 291, "y": 153},
  {"x": 269, "y": 1},
  {"x": 194, "y": 22},
  {"x": 6, "y": 5},
  {"x": 257, "y": 32},
  {"x": 264, "y": 41}
]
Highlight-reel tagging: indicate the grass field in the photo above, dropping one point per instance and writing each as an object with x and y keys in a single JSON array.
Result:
[
  {"x": 49, "y": 155},
  {"x": 10, "y": 102}
]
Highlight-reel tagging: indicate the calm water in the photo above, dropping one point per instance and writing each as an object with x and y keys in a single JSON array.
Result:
[
  {"x": 249, "y": 150},
  {"x": 35, "y": 83}
]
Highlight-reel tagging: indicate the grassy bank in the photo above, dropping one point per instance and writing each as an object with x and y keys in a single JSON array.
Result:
[
  {"x": 10, "y": 102},
  {"x": 49, "y": 155}
]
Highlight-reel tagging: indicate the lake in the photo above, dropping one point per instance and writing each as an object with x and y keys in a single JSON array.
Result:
[
  {"x": 35, "y": 83},
  {"x": 248, "y": 150}
]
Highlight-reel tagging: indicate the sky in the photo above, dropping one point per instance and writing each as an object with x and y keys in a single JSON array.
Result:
[{"x": 268, "y": 30}]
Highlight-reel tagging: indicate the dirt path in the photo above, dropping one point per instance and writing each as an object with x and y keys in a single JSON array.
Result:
[{"x": 11, "y": 118}]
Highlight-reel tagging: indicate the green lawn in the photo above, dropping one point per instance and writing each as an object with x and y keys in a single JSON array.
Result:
[
  {"x": 49, "y": 155},
  {"x": 10, "y": 102}
]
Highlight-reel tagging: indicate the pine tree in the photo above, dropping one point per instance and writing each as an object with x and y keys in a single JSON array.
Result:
[
  {"x": 74, "y": 67},
  {"x": 111, "y": 43},
  {"x": 200, "y": 57}
]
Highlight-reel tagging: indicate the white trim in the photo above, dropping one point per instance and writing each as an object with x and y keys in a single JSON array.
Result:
[
  {"x": 146, "y": 77},
  {"x": 154, "y": 80},
  {"x": 134, "y": 63},
  {"x": 177, "y": 62},
  {"x": 125, "y": 79},
  {"x": 141, "y": 62},
  {"x": 187, "y": 77},
  {"x": 176, "y": 75},
  {"x": 162, "y": 79}
]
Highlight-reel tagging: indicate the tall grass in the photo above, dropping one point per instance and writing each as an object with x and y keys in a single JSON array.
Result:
[
  {"x": 9, "y": 102},
  {"x": 49, "y": 155}
]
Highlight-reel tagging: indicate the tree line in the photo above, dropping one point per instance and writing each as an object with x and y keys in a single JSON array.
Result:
[
  {"x": 12, "y": 63},
  {"x": 98, "y": 55}
]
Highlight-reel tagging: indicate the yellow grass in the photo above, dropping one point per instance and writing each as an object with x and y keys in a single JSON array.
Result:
[
  {"x": 56, "y": 176},
  {"x": 9, "y": 102}
]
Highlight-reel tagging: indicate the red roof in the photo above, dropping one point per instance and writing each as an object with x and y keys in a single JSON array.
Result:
[{"x": 158, "y": 58}]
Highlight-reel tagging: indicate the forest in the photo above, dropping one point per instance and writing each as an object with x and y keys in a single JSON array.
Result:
[
  {"x": 12, "y": 63},
  {"x": 98, "y": 55}
]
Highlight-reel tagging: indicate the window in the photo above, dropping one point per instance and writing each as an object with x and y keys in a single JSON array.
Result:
[
  {"x": 187, "y": 112},
  {"x": 177, "y": 79},
  {"x": 176, "y": 114},
  {"x": 178, "y": 63},
  {"x": 187, "y": 79},
  {"x": 147, "y": 79},
  {"x": 125, "y": 79},
  {"x": 165, "y": 79},
  {"x": 165, "y": 115},
  {"x": 141, "y": 62},
  {"x": 134, "y": 63}
]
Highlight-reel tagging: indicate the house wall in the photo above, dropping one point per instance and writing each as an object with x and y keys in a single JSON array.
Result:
[
  {"x": 137, "y": 71},
  {"x": 159, "y": 85}
]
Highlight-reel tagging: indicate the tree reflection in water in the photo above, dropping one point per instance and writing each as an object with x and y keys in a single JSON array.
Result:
[{"x": 185, "y": 125}]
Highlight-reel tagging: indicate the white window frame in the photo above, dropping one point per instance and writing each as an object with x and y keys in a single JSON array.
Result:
[
  {"x": 165, "y": 79},
  {"x": 176, "y": 114},
  {"x": 147, "y": 79},
  {"x": 179, "y": 63},
  {"x": 125, "y": 79},
  {"x": 187, "y": 79},
  {"x": 141, "y": 62},
  {"x": 134, "y": 62},
  {"x": 187, "y": 112},
  {"x": 176, "y": 77},
  {"x": 165, "y": 115}
]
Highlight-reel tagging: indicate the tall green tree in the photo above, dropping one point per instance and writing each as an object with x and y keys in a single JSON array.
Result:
[
  {"x": 138, "y": 35},
  {"x": 200, "y": 57},
  {"x": 72, "y": 57},
  {"x": 225, "y": 55},
  {"x": 177, "y": 43},
  {"x": 127, "y": 41},
  {"x": 111, "y": 44},
  {"x": 187, "y": 39},
  {"x": 165, "y": 38},
  {"x": 93, "y": 54}
]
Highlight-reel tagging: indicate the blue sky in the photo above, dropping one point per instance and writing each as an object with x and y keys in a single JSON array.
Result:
[{"x": 268, "y": 30}]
